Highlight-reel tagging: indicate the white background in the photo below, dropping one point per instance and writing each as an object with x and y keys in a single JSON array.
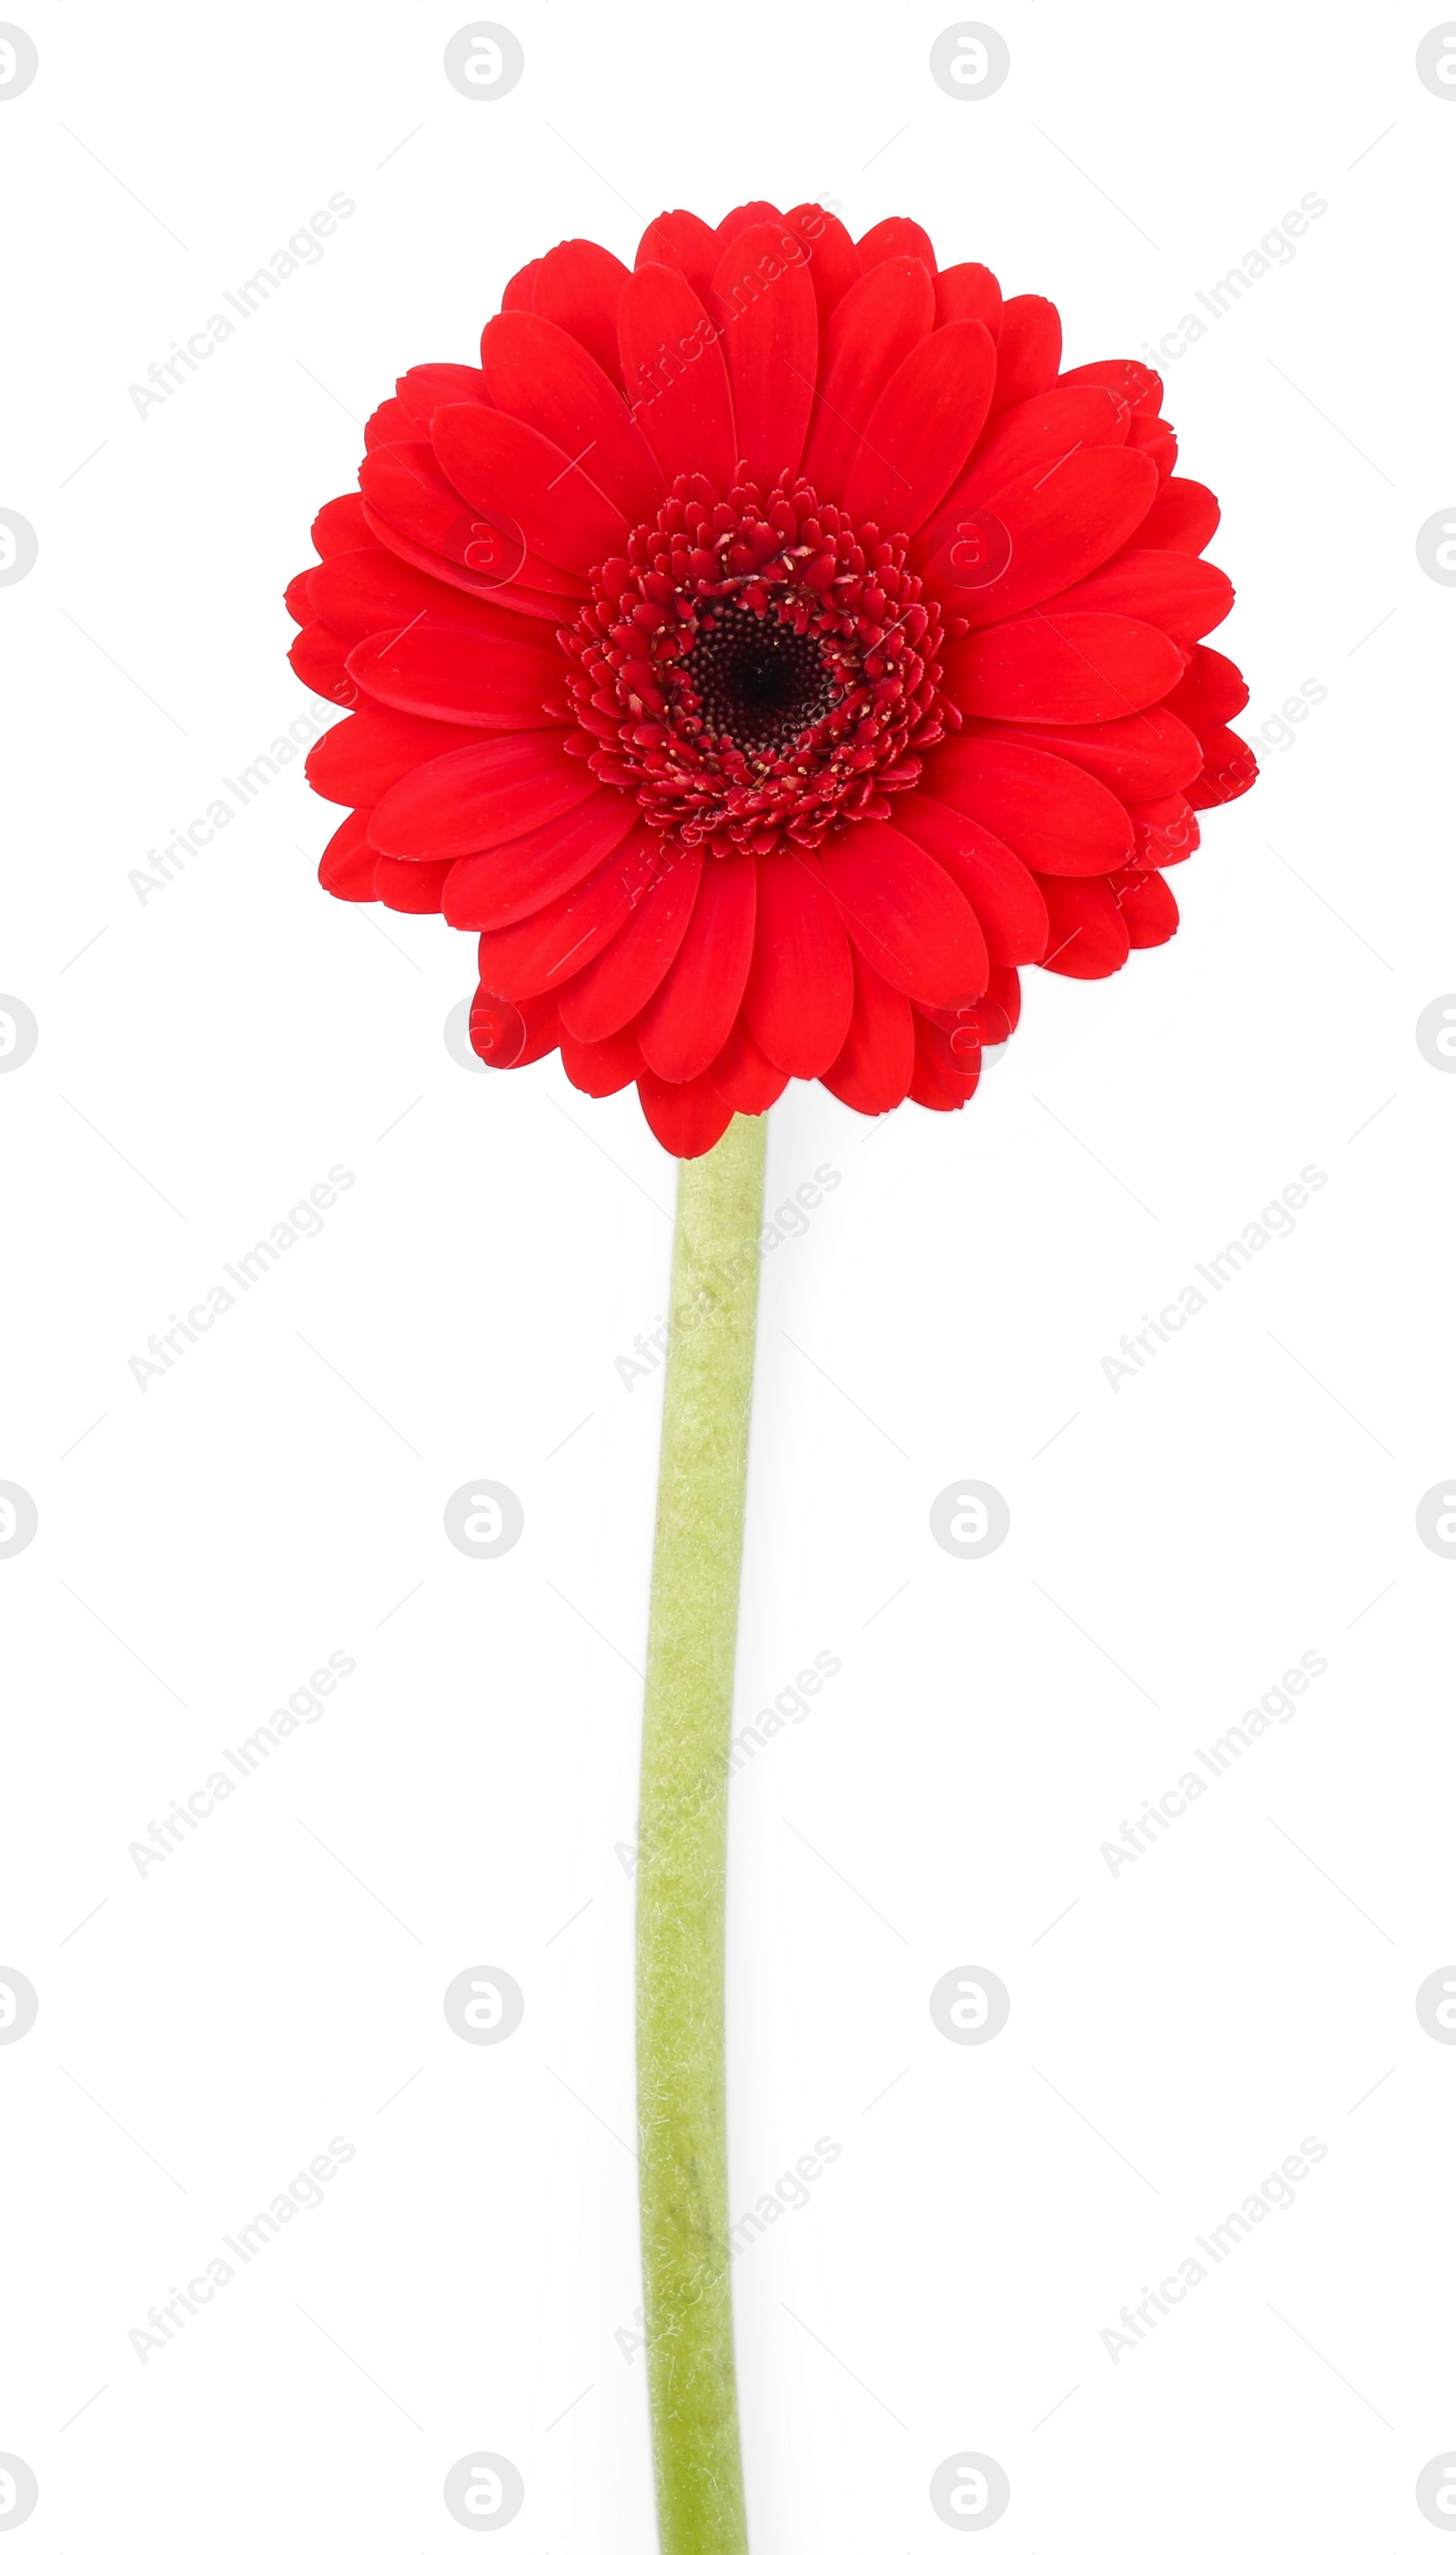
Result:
[{"x": 204, "y": 1057}]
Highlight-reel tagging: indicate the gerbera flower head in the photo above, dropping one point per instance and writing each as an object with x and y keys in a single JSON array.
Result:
[{"x": 768, "y": 652}]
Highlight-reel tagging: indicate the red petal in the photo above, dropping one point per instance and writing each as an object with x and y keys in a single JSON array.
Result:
[
  {"x": 690, "y": 1017},
  {"x": 1000, "y": 890},
  {"x": 506, "y": 1038},
  {"x": 426, "y": 387},
  {"x": 872, "y": 1071},
  {"x": 357, "y": 762},
  {"x": 496, "y": 1030},
  {"x": 297, "y": 598},
  {"x": 1211, "y": 693},
  {"x": 1028, "y": 350},
  {"x": 1064, "y": 667},
  {"x": 502, "y": 590},
  {"x": 923, "y": 427},
  {"x": 485, "y": 793},
  {"x": 895, "y": 237},
  {"x": 763, "y": 303},
  {"x": 905, "y": 915},
  {"x": 1032, "y": 440},
  {"x": 1165, "y": 831},
  {"x": 444, "y": 671},
  {"x": 1185, "y": 596},
  {"x": 580, "y": 285},
  {"x": 686, "y": 244},
  {"x": 926, "y": 1092},
  {"x": 1133, "y": 382},
  {"x": 968, "y": 292},
  {"x": 1143, "y": 756},
  {"x": 687, "y": 1118},
  {"x": 1154, "y": 436},
  {"x": 801, "y": 985},
  {"x": 481, "y": 549},
  {"x": 347, "y": 866},
  {"x": 362, "y": 592},
  {"x": 1183, "y": 516},
  {"x": 497, "y": 460},
  {"x": 834, "y": 261},
  {"x": 1088, "y": 934},
  {"x": 1149, "y": 908},
  {"x": 1061, "y": 522},
  {"x": 1052, "y": 816},
  {"x": 675, "y": 375},
  {"x": 317, "y": 659},
  {"x": 542, "y": 1029},
  {"x": 742, "y": 1075},
  {"x": 867, "y": 338},
  {"x": 540, "y": 373},
  {"x": 541, "y": 952},
  {"x": 743, "y": 218},
  {"x": 1229, "y": 768},
  {"x": 944, "y": 1078},
  {"x": 615, "y": 987},
  {"x": 1005, "y": 996},
  {"x": 997, "y": 1012},
  {"x": 339, "y": 526},
  {"x": 410, "y": 887},
  {"x": 391, "y": 423},
  {"x": 602, "y": 1066},
  {"x": 487, "y": 890},
  {"x": 519, "y": 293}
]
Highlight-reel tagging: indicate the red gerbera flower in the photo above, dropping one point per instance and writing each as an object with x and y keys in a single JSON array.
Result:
[{"x": 768, "y": 652}]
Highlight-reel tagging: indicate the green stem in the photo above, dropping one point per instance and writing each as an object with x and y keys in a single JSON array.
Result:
[{"x": 682, "y": 1846}]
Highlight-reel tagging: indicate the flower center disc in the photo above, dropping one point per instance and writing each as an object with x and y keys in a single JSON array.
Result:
[
  {"x": 760, "y": 669},
  {"x": 759, "y": 684}
]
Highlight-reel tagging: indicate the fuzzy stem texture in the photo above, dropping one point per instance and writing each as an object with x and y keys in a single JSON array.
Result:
[{"x": 683, "y": 1847}]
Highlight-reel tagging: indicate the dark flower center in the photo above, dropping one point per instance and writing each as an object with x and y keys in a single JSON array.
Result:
[
  {"x": 759, "y": 685},
  {"x": 760, "y": 669}
]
